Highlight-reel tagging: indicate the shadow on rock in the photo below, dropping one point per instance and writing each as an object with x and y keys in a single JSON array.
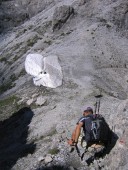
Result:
[
  {"x": 13, "y": 138},
  {"x": 109, "y": 146}
]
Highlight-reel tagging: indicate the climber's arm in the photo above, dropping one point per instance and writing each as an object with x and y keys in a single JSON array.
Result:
[
  {"x": 75, "y": 134},
  {"x": 77, "y": 131}
]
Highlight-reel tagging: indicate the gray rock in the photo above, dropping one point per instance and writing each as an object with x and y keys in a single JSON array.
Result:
[
  {"x": 30, "y": 101},
  {"x": 40, "y": 101},
  {"x": 71, "y": 168},
  {"x": 41, "y": 158},
  {"x": 11, "y": 15},
  {"x": 48, "y": 159},
  {"x": 95, "y": 50},
  {"x": 61, "y": 15},
  {"x": 126, "y": 21},
  {"x": 34, "y": 95},
  {"x": 82, "y": 2},
  {"x": 96, "y": 165},
  {"x": 92, "y": 168},
  {"x": 14, "y": 13},
  {"x": 61, "y": 127},
  {"x": 20, "y": 101}
]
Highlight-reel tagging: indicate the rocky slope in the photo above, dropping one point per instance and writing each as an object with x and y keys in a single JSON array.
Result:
[{"x": 90, "y": 39}]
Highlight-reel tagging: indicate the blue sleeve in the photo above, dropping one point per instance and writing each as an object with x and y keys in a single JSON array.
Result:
[{"x": 82, "y": 119}]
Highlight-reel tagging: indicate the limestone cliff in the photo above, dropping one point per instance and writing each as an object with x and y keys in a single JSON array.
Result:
[{"x": 90, "y": 38}]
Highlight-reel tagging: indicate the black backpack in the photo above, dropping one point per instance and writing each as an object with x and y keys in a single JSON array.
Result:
[{"x": 96, "y": 129}]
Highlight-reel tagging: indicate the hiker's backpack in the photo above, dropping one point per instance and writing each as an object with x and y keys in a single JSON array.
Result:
[{"x": 96, "y": 129}]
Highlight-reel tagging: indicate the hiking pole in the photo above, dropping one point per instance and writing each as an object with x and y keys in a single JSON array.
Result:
[
  {"x": 78, "y": 151},
  {"x": 82, "y": 156},
  {"x": 97, "y": 108}
]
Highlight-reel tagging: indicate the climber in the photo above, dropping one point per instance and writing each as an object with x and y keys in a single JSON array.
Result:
[
  {"x": 96, "y": 131},
  {"x": 80, "y": 124}
]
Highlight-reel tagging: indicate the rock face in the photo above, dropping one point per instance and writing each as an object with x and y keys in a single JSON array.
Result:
[
  {"x": 91, "y": 47},
  {"x": 61, "y": 15},
  {"x": 14, "y": 13},
  {"x": 11, "y": 15}
]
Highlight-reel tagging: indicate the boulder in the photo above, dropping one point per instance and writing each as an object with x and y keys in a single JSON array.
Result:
[
  {"x": 30, "y": 101},
  {"x": 41, "y": 158},
  {"x": 40, "y": 101},
  {"x": 48, "y": 159},
  {"x": 71, "y": 168},
  {"x": 61, "y": 15},
  {"x": 82, "y": 2}
]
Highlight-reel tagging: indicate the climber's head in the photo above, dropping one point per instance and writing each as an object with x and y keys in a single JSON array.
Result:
[{"x": 88, "y": 111}]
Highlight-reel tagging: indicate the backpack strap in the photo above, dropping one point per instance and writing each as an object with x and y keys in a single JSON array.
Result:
[{"x": 95, "y": 127}]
